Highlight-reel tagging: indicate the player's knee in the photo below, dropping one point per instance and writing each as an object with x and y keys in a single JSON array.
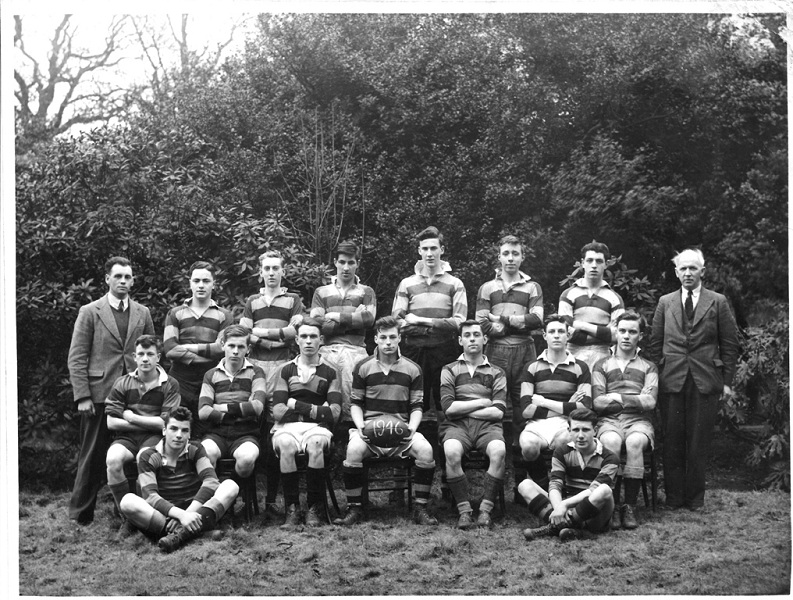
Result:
[
  {"x": 601, "y": 495},
  {"x": 116, "y": 457},
  {"x": 212, "y": 451},
  {"x": 529, "y": 448},
  {"x": 227, "y": 491},
  {"x": 315, "y": 446},
  {"x": 128, "y": 504},
  {"x": 636, "y": 444},
  {"x": 612, "y": 441},
  {"x": 496, "y": 452},
  {"x": 424, "y": 452},
  {"x": 529, "y": 489},
  {"x": 453, "y": 453}
]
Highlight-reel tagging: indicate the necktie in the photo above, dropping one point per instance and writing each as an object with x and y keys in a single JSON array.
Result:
[
  {"x": 690, "y": 305},
  {"x": 121, "y": 307}
]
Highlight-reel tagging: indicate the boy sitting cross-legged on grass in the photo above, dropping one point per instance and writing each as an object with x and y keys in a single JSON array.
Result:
[
  {"x": 136, "y": 409},
  {"x": 181, "y": 494},
  {"x": 579, "y": 500}
]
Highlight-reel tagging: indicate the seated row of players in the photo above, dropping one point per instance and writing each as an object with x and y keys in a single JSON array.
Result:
[{"x": 274, "y": 313}]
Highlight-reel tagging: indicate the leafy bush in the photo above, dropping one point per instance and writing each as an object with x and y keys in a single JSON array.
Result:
[{"x": 762, "y": 395}]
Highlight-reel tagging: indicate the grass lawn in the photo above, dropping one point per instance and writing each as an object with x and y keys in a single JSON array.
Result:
[{"x": 739, "y": 544}]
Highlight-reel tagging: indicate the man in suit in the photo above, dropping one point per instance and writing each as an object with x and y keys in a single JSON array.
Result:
[
  {"x": 695, "y": 337},
  {"x": 102, "y": 350}
]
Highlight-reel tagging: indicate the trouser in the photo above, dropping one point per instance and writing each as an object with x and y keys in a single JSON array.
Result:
[
  {"x": 688, "y": 417},
  {"x": 512, "y": 359},
  {"x": 91, "y": 465}
]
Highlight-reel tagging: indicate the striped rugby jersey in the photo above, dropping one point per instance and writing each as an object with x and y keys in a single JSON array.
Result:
[
  {"x": 399, "y": 393},
  {"x": 571, "y": 475},
  {"x": 191, "y": 478},
  {"x": 129, "y": 393},
  {"x": 487, "y": 381},
  {"x": 243, "y": 393},
  {"x": 601, "y": 309},
  {"x": 357, "y": 307},
  {"x": 554, "y": 383},
  {"x": 637, "y": 386},
  {"x": 182, "y": 326},
  {"x": 440, "y": 298},
  {"x": 320, "y": 395},
  {"x": 274, "y": 315},
  {"x": 523, "y": 298}
]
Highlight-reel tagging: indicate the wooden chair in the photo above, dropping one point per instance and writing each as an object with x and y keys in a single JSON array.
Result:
[{"x": 396, "y": 476}]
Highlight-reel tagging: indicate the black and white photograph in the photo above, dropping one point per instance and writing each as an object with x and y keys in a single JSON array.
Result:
[{"x": 395, "y": 299}]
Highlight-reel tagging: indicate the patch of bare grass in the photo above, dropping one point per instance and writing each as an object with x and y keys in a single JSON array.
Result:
[{"x": 740, "y": 544}]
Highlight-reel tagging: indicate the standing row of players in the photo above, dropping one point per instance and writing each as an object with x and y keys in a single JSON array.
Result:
[{"x": 304, "y": 397}]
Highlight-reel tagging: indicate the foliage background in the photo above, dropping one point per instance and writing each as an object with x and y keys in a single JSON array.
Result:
[{"x": 648, "y": 132}]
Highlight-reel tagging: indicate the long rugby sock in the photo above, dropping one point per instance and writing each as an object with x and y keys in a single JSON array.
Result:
[
  {"x": 353, "y": 483},
  {"x": 422, "y": 482},
  {"x": 272, "y": 471},
  {"x": 315, "y": 486},
  {"x": 492, "y": 485},
  {"x": 631, "y": 490},
  {"x": 541, "y": 507},
  {"x": 291, "y": 483},
  {"x": 459, "y": 488},
  {"x": 538, "y": 472},
  {"x": 208, "y": 518},
  {"x": 119, "y": 490},
  {"x": 582, "y": 512}
]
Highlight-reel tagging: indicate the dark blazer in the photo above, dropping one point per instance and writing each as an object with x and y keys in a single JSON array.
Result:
[
  {"x": 709, "y": 351},
  {"x": 98, "y": 355}
]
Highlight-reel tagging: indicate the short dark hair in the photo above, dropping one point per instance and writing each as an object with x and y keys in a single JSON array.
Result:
[
  {"x": 387, "y": 322},
  {"x": 349, "y": 248},
  {"x": 556, "y": 318},
  {"x": 180, "y": 413},
  {"x": 202, "y": 264},
  {"x": 633, "y": 316},
  {"x": 311, "y": 322},
  {"x": 583, "y": 414},
  {"x": 116, "y": 260},
  {"x": 470, "y": 323},
  {"x": 430, "y": 232},
  {"x": 594, "y": 246},
  {"x": 235, "y": 331},
  {"x": 147, "y": 341},
  {"x": 510, "y": 239}
]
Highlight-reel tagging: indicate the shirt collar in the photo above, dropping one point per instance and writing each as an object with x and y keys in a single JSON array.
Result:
[
  {"x": 212, "y": 303},
  {"x": 222, "y": 366},
  {"x": 696, "y": 292},
  {"x": 582, "y": 283},
  {"x": 335, "y": 278},
  {"x": 420, "y": 270},
  {"x": 521, "y": 275},
  {"x": 570, "y": 359},
  {"x": 114, "y": 302},
  {"x": 461, "y": 358},
  {"x": 160, "y": 447},
  {"x": 613, "y": 351},
  {"x": 162, "y": 375},
  {"x": 281, "y": 291},
  {"x": 598, "y": 450}
]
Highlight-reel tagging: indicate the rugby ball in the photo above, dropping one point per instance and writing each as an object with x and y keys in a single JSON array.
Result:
[{"x": 386, "y": 431}]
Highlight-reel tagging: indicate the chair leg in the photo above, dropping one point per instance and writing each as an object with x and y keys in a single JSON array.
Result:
[
  {"x": 502, "y": 503},
  {"x": 331, "y": 491}
]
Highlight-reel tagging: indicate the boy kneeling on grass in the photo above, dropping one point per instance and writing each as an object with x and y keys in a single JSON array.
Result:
[
  {"x": 182, "y": 497},
  {"x": 579, "y": 501}
]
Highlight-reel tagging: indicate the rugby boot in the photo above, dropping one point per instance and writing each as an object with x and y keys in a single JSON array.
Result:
[
  {"x": 616, "y": 518},
  {"x": 466, "y": 520},
  {"x": 422, "y": 517},
  {"x": 629, "y": 518},
  {"x": 571, "y": 533},
  {"x": 354, "y": 515},
  {"x": 176, "y": 540},
  {"x": 293, "y": 517},
  {"x": 485, "y": 521},
  {"x": 538, "y": 532},
  {"x": 315, "y": 516}
]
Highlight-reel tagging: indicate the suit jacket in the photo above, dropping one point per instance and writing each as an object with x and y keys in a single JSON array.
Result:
[
  {"x": 709, "y": 351},
  {"x": 98, "y": 356}
]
